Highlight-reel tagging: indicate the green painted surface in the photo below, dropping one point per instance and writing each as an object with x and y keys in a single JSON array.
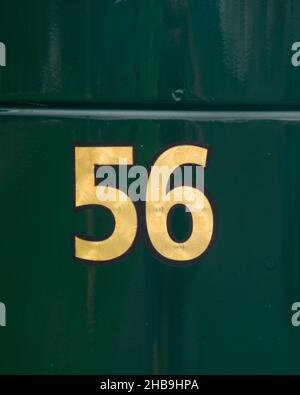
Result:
[
  {"x": 231, "y": 311},
  {"x": 150, "y": 52},
  {"x": 228, "y": 313}
]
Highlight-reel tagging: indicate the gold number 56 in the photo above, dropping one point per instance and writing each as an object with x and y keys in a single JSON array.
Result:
[{"x": 124, "y": 212}]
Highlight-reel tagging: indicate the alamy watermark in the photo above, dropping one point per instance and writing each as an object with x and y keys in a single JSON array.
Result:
[
  {"x": 2, "y": 54},
  {"x": 296, "y": 316},
  {"x": 2, "y": 314},
  {"x": 162, "y": 184}
]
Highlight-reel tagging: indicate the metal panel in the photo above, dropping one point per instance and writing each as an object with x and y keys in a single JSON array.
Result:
[
  {"x": 229, "y": 312},
  {"x": 172, "y": 53}
]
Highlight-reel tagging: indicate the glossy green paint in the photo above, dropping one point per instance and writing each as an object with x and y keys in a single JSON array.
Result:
[
  {"x": 228, "y": 313},
  {"x": 150, "y": 53}
]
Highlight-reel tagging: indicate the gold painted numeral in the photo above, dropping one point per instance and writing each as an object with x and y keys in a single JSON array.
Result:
[
  {"x": 157, "y": 209},
  {"x": 121, "y": 206},
  {"x": 158, "y": 204}
]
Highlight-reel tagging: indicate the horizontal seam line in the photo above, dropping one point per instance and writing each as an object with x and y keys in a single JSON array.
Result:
[{"x": 152, "y": 114}]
